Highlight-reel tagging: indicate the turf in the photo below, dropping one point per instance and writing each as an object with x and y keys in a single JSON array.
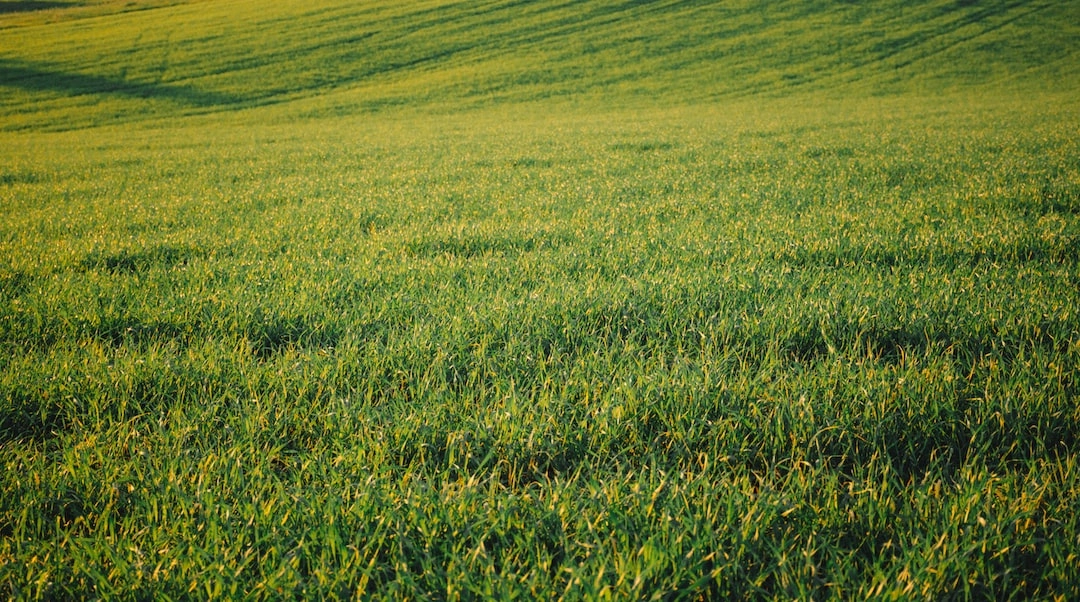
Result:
[{"x": 540, "y": 300}]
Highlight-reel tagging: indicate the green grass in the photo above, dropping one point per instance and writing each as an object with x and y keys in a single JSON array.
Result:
[
  {"x": 340, "y": 58},
  {"x": 541, "y": 300}
]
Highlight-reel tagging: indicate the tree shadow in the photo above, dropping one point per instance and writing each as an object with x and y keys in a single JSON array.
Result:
[
  {"x": 29, "y": 7},
  {"x": 45, "y": 78}
]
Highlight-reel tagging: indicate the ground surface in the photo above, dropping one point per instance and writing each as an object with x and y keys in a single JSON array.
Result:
[{"x": 583, "y": 300}]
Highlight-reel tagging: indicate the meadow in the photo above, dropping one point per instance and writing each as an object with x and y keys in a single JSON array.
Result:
[{"x": 497, "y": 300}]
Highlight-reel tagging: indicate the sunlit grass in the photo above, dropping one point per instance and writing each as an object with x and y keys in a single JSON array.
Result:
[
  {"x": 478, "y": 329},
  {"x": 569, "y": 357},
  {"x": 345, "y": 58}
]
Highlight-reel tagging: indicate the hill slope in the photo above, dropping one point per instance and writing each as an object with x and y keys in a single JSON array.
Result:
[
  {"x": 73, "y": 64},
  {"x": 539, "y": 300}
]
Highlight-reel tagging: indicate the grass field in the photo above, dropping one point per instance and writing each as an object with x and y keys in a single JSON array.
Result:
[{"x": 489, "y": 299}]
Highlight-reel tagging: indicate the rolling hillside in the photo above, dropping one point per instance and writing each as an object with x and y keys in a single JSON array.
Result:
[
  {"x": 551, "y": 300},
  {"x": 73, "y": 64}
]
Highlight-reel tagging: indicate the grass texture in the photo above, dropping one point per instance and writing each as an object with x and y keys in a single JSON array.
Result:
[{"x": 494, "y": 300}]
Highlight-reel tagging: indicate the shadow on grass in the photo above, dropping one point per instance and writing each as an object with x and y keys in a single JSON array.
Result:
[
  {"x": 137, "y": 261},
  {"x": 29, "y": 7},
  {"x": 47, "y": 78}
]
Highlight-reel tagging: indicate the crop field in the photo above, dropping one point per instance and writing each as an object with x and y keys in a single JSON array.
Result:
[{"x": 486, "y": 299}]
